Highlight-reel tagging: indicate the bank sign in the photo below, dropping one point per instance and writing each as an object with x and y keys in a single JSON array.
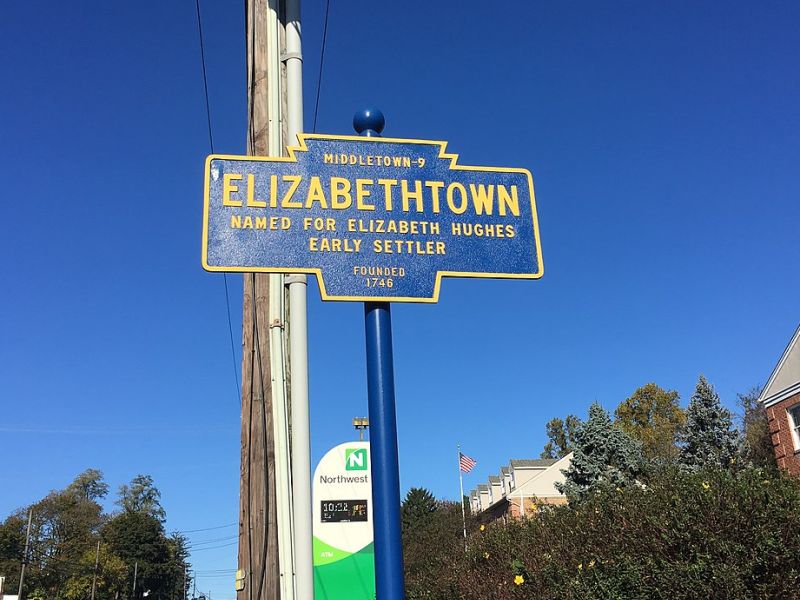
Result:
[
  {"x": 344, "y": 558},
  {"x": 373, "y": 218}
]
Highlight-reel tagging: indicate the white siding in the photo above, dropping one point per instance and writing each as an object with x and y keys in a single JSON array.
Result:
[
  {"x": 483, "y": 500},
  {"x": 543, "y": 486},
  {"x": 523, "y": 475},
  {"x": 496, "y": 492}
]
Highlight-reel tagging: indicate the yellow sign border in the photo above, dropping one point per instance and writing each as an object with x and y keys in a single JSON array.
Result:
[{"x": 454, "y": 166}]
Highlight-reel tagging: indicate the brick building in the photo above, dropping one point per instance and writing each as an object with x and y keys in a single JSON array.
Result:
[{"x": 781, "y": 398}]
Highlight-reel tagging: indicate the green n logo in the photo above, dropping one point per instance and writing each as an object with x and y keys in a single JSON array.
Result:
[{"x": 355, "y": 459}]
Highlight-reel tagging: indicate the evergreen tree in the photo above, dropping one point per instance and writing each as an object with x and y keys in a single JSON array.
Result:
[
  {"x": 560, "y": 436},
  {"x": 603, "y": 455},
  {"x": 653, "y": 416},
  {"x": 418, "y": 506},
  {"x": 138, "y": 537},
  {"x": 710, "y": 439},
  {"x": 178, "y": 566}
]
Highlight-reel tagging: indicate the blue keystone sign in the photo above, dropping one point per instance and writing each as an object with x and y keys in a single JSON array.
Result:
[{"x": 375, "y": 219}]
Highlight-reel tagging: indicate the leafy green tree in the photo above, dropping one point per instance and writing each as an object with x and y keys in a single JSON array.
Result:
[
  {"x": 710, "y": 439},
  {"x": 653, "y": 416},
  {"x": 561, "y": 435},
  {"x": 111, "y": 576},
  {"x": 89, "y": 485},
  {"x": 141, "y": 496},
  {"x": 603, "y": 455},
  {"x": 756, "y": 438},
  {"x": 417, "y": 507},
  {"x": 12, "y": 544},
  {"x": 65, "y": 526}
]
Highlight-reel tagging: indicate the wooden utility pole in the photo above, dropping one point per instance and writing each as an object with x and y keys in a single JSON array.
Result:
[
  {"x": 25, "y": 555},
  {"x": 258, "y": 539},
  {"x": 96, "y": 564},
  {"x": 135, "y": 575}
]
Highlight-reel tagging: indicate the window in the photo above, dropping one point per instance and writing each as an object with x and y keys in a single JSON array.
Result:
[{"x": 794, "y": 424}]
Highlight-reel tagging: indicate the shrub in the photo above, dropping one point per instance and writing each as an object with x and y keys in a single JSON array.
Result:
[{"x": 710, "y": 534}]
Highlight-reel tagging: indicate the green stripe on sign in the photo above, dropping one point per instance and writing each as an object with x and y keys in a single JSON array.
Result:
[{"x": 344, "y": 576}]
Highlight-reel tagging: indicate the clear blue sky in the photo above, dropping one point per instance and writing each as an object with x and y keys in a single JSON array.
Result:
[{"x": 663, "y": 138}]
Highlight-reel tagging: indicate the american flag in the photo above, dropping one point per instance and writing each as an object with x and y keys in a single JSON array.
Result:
[{"x": 466, "y": 463}]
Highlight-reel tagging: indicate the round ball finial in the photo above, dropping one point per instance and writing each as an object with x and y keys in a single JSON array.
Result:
[{"x": 368, "y": 120}]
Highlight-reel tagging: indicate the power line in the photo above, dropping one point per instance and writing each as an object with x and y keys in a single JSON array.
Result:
[
  {"x": 205, "y": 77},
  {"x": 206, "y": 528},
  {"x": 52, "y": 561},
  {"x": 42, "y": 556},
  {"x": 211, "y": 145},
  {"x": 213, "y": 571},
  {"x": 321, "y": 62},
  {"x": 213, "y": 547},
  {"x": 78, "y": 540},
  {"x": 213, "y": 541}
]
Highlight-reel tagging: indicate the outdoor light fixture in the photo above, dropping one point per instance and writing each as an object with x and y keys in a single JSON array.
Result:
[{"x": 361, "y": 423}]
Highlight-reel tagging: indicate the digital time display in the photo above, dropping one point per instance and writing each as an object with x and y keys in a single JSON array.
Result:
[{"x": 343, "y": 511}]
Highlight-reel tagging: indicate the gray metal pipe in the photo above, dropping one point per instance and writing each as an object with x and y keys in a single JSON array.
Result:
[{"x": 298, "y": 335}]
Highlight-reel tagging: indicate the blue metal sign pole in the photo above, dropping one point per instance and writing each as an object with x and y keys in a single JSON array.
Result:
[{"x": 389, "y": 583}]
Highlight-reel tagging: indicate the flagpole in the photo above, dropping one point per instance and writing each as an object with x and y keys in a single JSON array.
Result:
[{"x": 463, "y": 512}]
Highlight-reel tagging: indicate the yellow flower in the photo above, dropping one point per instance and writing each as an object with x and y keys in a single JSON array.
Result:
[
  {"x": 706, "y": 486},
  {"x": 519, "y": 580},
  {"x": 485, "y": 555},
  {"x": 534, "y": 507},
  {"x": 580, "y": 566},
  {"x": 591, "y": 563},
  {"x": 483, "y": 527}
]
